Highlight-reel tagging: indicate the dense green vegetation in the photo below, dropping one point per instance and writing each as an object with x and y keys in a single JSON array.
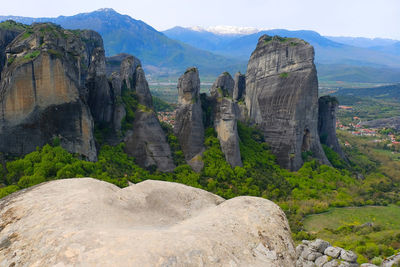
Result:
[
  {"x": 12, "y": 25},
  {"x": 161, "y": 105},
  {"x": 315, "y": 188},
  {"x": 373, "y": 232}
]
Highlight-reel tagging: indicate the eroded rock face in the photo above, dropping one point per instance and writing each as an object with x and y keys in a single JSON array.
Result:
[
  {"x": 86, "y": 222},
  {"x": 7, "y": 35},
  {"x": 42, "y": 91},
  {"x": 146, "y": 140},
  {"x": 223, "y": 86},
  {"x": 101, "y": 97},
  {"x": 239, "y": 89},
  {"x": 189, "y": 126},
  {"x": 225, "y": 120},
  {"x": 282, "y": 98},
  {"x": 327, "y": 123}
]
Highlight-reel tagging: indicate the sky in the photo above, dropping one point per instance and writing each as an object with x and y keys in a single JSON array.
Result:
[{"x": 364, "y": 18}]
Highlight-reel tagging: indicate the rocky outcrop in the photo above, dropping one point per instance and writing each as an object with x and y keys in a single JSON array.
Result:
[
  {"x": 391, "y": 261},
  {"x": 145, "y": 140},
  {"x": 223, "y": 86},
  {"x": 320, "y": 253},
  {"x": 327, "y": 123},
  {"x": 282, "y": 98},
  {"x": 42, "y": 91},
  {"x": 153, "y": 223},
  {"x": 55, "y": 85},
  {"x": 225, "y": 118},
  {"x": 189, "y": 127},
  {"x": 101, "y": 98}
]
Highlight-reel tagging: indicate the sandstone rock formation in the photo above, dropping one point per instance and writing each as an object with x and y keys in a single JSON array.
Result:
[
  {"x": 145, "y": 140},
  {"x": 57, "y": 84},
  {"x": 320, "y": 253},
  {"x": 86, "y": 222},
  {"x": 282, "y": 98},
  {"x": 189, "y": 127},
  {"x": 327, "y": 123},
  {"x": 225, "y": 118},
  {"x": 223, "y": 86},
  {"x": 42, "y": 90}
]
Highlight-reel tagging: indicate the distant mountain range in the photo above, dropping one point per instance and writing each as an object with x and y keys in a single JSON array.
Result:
[
  {"x": 328, "y": 51},
  {"x": 159, "y": 54},
  {"x": 217, "y": 49}
]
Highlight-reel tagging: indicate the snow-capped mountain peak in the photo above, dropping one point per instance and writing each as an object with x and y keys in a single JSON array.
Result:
[{"x": 226, "y": 30}]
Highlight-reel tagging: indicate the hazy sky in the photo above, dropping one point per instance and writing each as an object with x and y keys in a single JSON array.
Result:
[{"x": 367, "y": 18}]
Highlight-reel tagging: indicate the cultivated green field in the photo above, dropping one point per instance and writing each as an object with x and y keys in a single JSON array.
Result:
[
  {"x": 386, "y": 216},
  {"x": 372, "y": 232}
]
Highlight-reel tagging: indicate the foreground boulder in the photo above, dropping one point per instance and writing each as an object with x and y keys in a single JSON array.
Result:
[
  {"x": 282, "y": 98},
  {"x": 86, "y": 222},
  {"x": 189, "y": 127}
]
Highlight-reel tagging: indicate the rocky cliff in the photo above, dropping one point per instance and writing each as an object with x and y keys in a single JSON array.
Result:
[
  {"x": 282, "y": 98},
  {"x": 145, "y": 140},
  {"x": 225, "y": 118},
  {"x": 42, "y": 90},
  {"x": 327, "y": 123},
  {"x": 189, "y": 127},
  {"x": 57, "y": 84},
  {"x": 153, "y": 223}
]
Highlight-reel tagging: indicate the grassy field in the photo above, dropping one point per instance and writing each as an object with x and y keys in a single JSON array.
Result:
[
  {"x": 386, "y": 216},
  {"x": 372, "y": 232}
]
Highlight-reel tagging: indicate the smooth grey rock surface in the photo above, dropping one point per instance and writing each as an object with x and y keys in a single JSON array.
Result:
[
  {"x": 332, "y": 263},
  {"x": 282, "y": 98},
  {"x": 333, "y": 252},
  {"x": 319, "y": 245},
  {"x": 327, "y": 110},
  {"x": 189, "y": 127},
  {"x": 348, "y": 255},
  {"x": 321, "y": 261},
  {"x": 87, "y": 222}
]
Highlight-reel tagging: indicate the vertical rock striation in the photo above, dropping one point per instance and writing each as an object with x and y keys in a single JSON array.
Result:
[
  {"x": 146, "y": 140},
  {"x": 42, "y": 91},
  {"x": 282, "y": 98},
  {"x": 225, "y": 120},
  {"x": 328, "y": 106},
  {"x": 189, "y": 126}
]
